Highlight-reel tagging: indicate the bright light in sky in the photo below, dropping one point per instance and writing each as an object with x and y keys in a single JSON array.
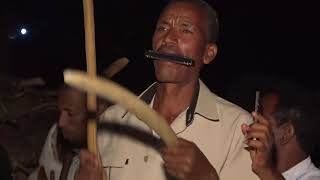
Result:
[{"x": 23, "y": 31}]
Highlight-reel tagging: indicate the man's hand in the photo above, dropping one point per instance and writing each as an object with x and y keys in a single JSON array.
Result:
[
  {"x": 260, "y": 141},
  {"x": 185, "y": 161},
  {"x": 90, "y": 167}
]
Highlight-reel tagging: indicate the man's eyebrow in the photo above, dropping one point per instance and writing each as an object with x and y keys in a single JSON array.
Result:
[
  {"x": 163, "y": 21},
  {"x": 187, "y": 24}
]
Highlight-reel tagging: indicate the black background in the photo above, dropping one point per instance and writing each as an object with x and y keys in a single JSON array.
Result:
[{"x": 275, "y": 37}]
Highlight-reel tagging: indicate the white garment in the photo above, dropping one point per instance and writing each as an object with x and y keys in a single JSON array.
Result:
[
  {"x": 305, "y": 170},
  {"x": 215, "y": 130},
  {"x": 49, "y": 157}
]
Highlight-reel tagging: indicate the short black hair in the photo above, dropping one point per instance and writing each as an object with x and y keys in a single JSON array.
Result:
[{"x": 212, "y": 17}]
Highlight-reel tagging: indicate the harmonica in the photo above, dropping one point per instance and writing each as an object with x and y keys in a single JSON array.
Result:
[{"x": 169, "y": 57}]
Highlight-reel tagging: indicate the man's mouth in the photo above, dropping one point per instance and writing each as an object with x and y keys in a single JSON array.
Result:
[
  {"x": 172, "y": 50},
  {"x": 167, "y": 56}
]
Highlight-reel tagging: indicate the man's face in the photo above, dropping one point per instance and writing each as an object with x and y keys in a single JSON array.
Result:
[
  {"x": 73, "y": 116},
  {"x": 268, "y": 104},
  {"x": 182, "y": 30},
  {"x": 276, "y": 130},
  {"x": 268, "y": 107}
]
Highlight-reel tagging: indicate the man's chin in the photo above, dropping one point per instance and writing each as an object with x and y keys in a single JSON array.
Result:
[{"x": 168, "y": 80}]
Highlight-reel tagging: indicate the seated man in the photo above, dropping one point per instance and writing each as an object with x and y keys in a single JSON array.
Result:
[
  {"x": 65, "y": 137},
  {"x": 281, "y": 140}
]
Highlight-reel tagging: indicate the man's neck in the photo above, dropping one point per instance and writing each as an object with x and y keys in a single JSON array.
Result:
[
  {"x": 289, "y": 156},
  {"x": 172, "y": 99}
]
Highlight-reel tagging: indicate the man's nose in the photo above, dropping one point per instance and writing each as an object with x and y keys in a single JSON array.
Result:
[
  {"x": 63, "y": 119},
  {"x": 171, "y": 36}
]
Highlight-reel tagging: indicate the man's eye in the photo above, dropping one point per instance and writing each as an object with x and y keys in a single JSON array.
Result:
[
  {"x": 161, "y": 28},
  {"x": 188, "y": 31},
  {"x": 71, "y": 114}
]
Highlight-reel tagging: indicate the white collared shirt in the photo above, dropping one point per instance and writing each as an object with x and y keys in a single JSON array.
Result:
[
  {"x": 305, "y": 170},
  {"x": 49, "y": 158},
  {"x": 215, "y": 130}
]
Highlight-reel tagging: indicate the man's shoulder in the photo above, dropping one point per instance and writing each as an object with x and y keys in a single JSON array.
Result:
[
  {"x": 117, "y": 111},
  {"x": 49, "y": 151},
  {"x": 224, "y": 110},
  {"x": 113, "y": 112},
  {"x": 231, "y": 110},
  {"x": 52, "y": 136}
]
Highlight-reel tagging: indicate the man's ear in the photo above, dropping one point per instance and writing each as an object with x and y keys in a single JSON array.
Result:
[
  {"x": 287, "y": 134},
  {"x": 211, "y": 53}
]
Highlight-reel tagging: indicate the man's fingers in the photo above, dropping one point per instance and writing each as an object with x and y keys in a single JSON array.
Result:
[
  {"x": 176, "y": 158},
  {"x": 175, "y": 174},
  {"x": 257, "y": 145},
  {"x": 178, "y": 166},
  {"x": 89, "y": 159},
  {"x": 178, "y": 170},
  {"x": 244, "y": 129},
  {"x": 260, "y": 119},
  {"x": 259, "y": 126},
  {"x": 258, "y": 135},
  {"x": 260, "y": 130},
  {"x": 181, "y": 148}
]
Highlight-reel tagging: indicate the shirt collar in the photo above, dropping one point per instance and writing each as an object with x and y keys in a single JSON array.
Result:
[
  {"x": 298, "y": 170},
  {"x": 203, "y": 102},
  {"x": 207, "y": 104}
]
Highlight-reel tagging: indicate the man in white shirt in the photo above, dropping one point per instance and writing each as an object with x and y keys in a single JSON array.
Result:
[
  {"x": 210, "y": 144},
  {"x": 66, "y": 137},
  {"x": 280, "y": 141}
]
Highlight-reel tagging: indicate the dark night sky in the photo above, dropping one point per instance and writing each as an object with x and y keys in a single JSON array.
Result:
[{"x": 257, "y": 37}]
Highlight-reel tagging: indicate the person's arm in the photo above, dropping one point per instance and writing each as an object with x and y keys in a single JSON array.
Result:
[
  {"x": 90, "y": 167},
  {"x": 260, "y": 141},
  {"x": 185, "y": 161}
]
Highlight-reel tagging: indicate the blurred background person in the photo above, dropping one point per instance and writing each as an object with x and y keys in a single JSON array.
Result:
[
  {"x": 67, "y": 136},
  {"x": 283, "y": 140}
]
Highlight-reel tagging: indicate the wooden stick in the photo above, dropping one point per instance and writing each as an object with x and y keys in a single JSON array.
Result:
[
  {"x": 115, "y": 67},
  {"x": 119, "y": 95},
  {"x": 91, "y": 69}
]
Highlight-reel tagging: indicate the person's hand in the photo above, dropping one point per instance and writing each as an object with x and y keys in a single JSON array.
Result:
[
  {"x": 260, "y": 141},
  {"x": 90, "y": 167},
  {"x": 185, "y": 161}
]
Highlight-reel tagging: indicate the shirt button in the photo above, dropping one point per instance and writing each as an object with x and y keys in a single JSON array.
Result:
[{"x": 145, "y": 158}]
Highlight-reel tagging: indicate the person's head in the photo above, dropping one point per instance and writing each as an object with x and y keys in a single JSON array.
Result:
[
  {"x": 188, "y": 28},
  {"x": 72, "y": 104},
  {"x": 293, "y": 121},
  {"x": 270, "y": 93}
]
